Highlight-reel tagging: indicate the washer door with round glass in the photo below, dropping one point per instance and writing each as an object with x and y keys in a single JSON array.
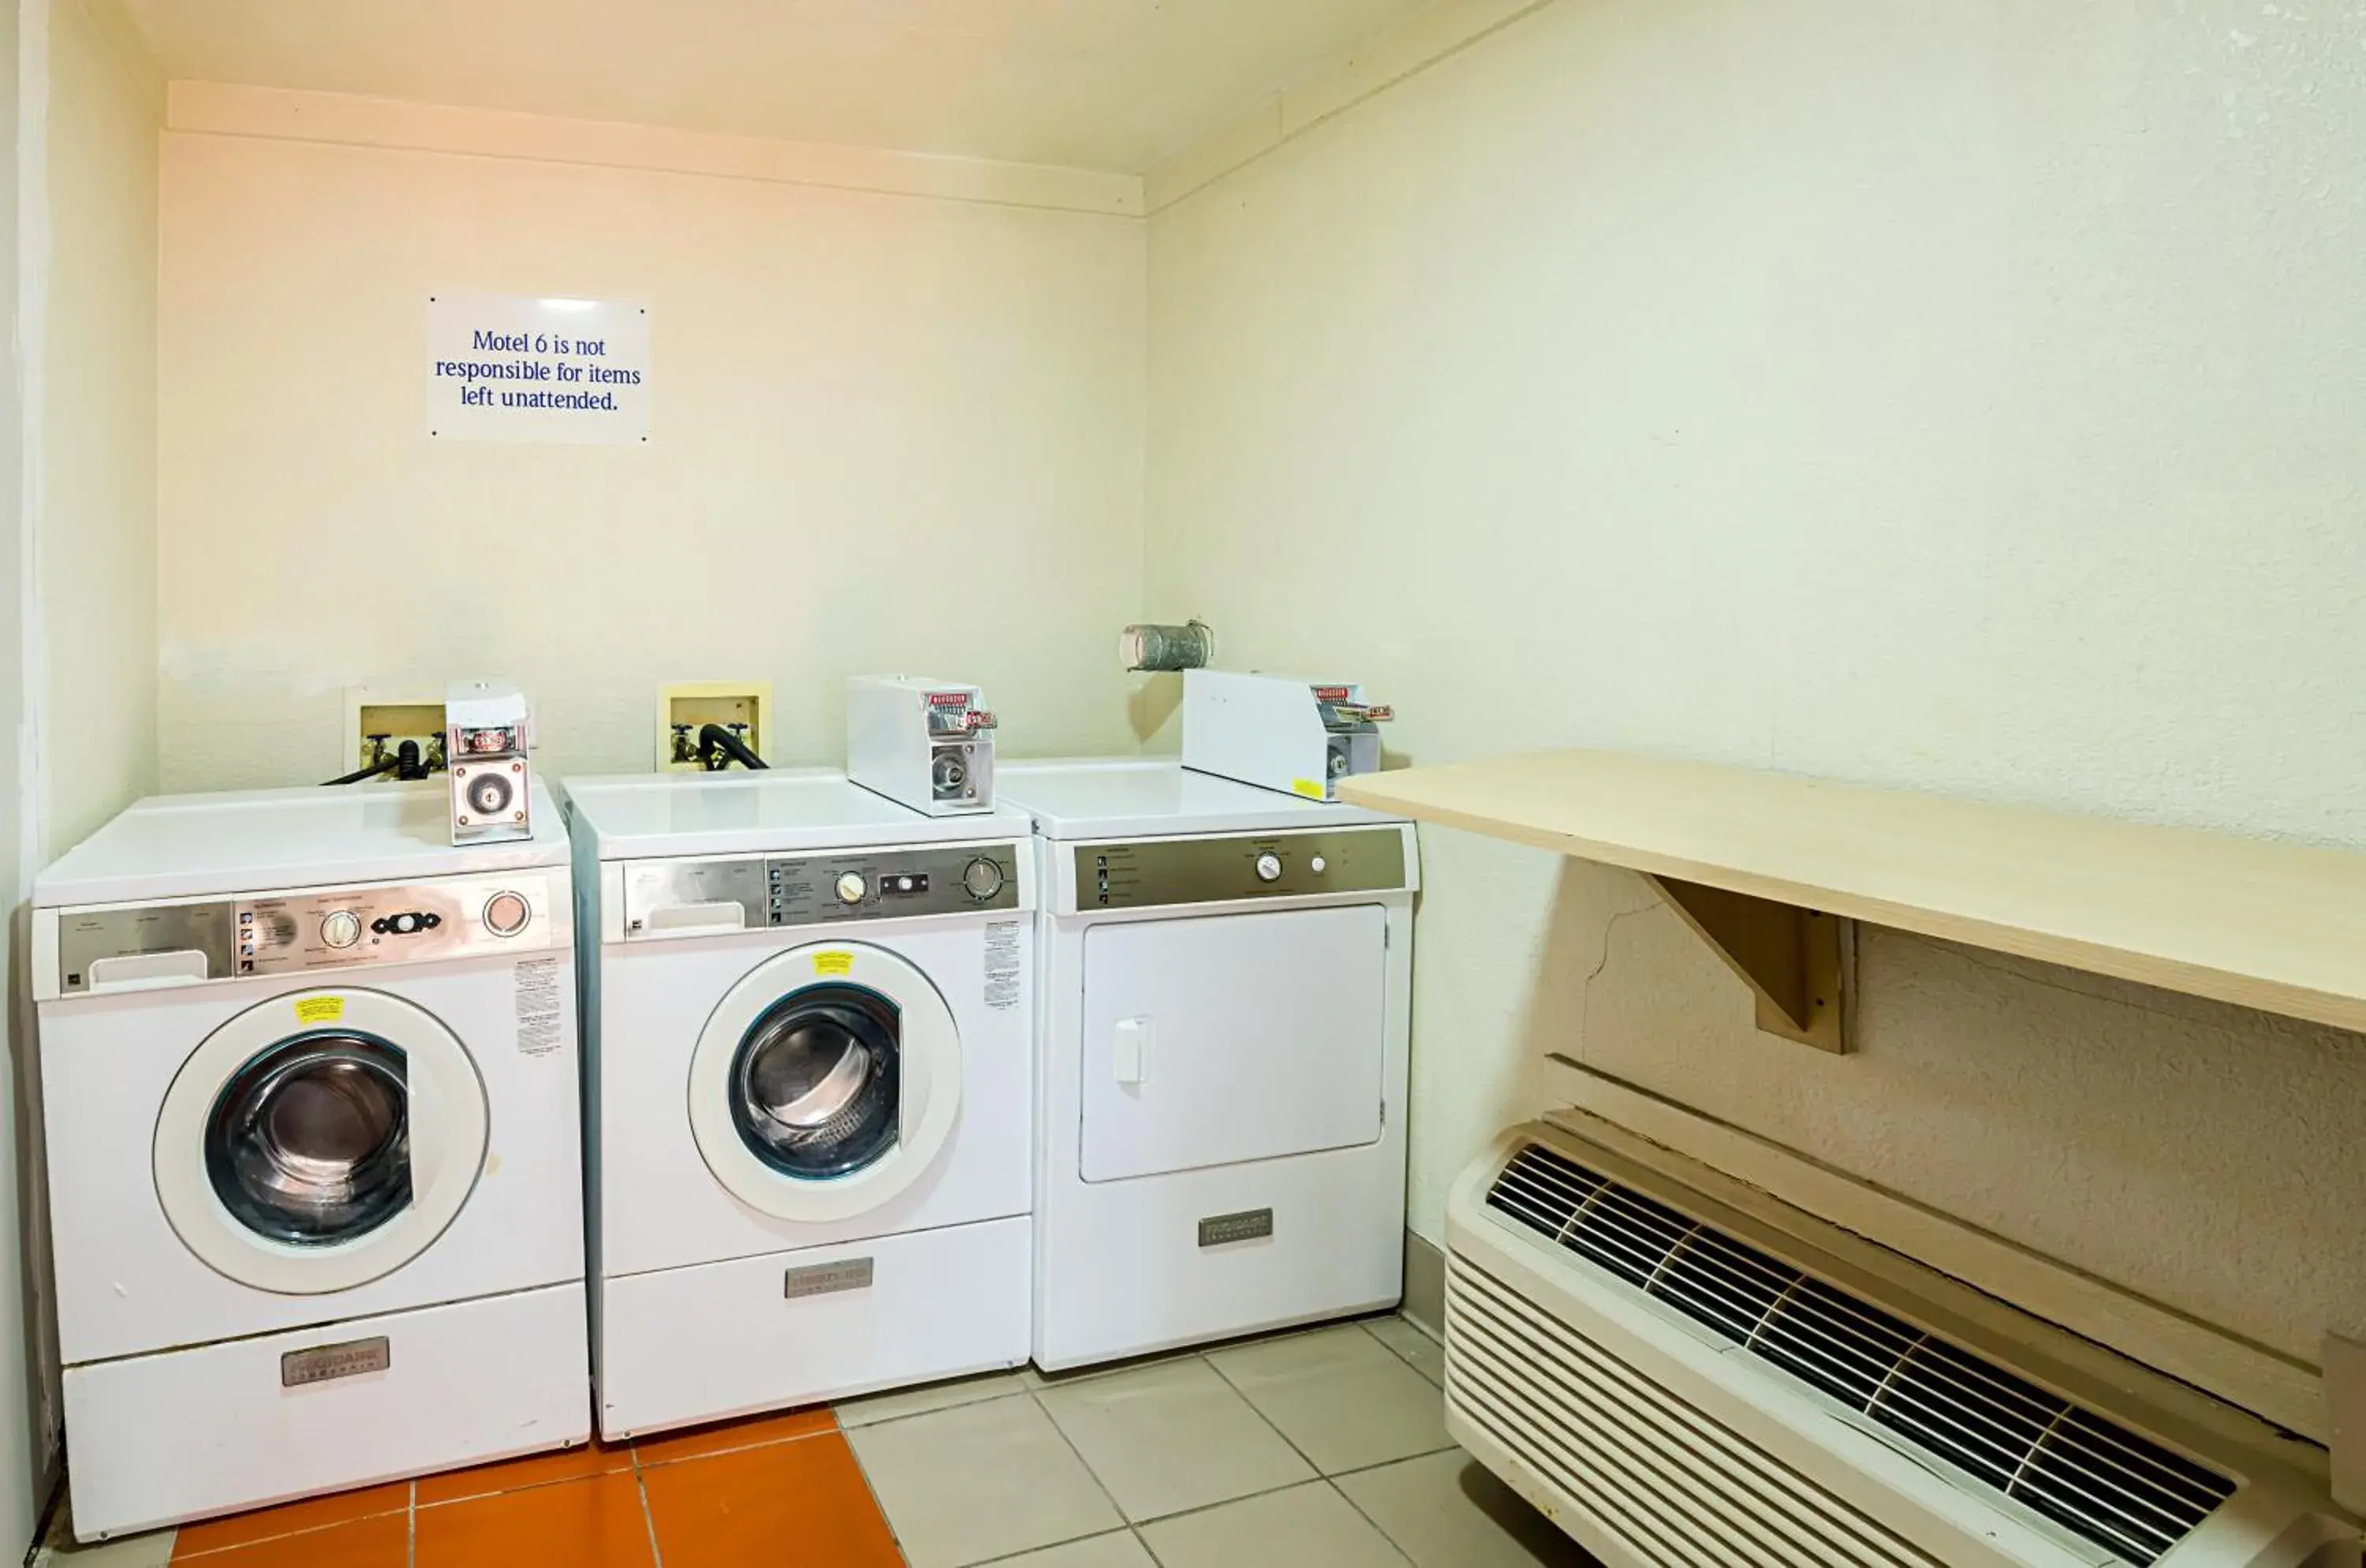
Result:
[
  {"x": 825, "y": 1083},
  {"x": 319, "y": 1141}
]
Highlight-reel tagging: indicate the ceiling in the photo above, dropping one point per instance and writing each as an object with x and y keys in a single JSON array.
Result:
[{"x": 1110, "y": 85}]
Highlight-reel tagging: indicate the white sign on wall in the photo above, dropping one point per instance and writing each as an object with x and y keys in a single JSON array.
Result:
[{"x": 503, "y": 367}]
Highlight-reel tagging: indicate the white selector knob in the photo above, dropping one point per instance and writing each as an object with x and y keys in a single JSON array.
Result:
[
  {"x": 1268, "y": 867},
  {"x": 341, "y": 928},
  {"x": 851, "y": 888},
  {"x": 1318, "y": 865}
]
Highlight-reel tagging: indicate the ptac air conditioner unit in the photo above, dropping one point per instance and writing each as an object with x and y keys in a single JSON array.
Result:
[{"x": 1681, "y": 1382}]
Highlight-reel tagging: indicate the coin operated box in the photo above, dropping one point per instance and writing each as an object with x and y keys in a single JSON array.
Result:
[
  {"x": 926, "y": 744},
  {"x": 488, "y": 730},
  {"x": 1301, "y": 736}
]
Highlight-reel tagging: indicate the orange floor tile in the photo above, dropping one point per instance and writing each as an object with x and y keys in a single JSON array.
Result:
[
  {"x": 796, "y": 1504},
  {"x": 533, "y": 1470},
  {"x": 290, "y": 1518},
  {"x": 380, "y": 1541},
  {"x": 728, "y": 1492},
  {"x": 594, "y": 1523},
  {"x": 725, "y": 1436},
  {"x": 1357, "y": 1469}
]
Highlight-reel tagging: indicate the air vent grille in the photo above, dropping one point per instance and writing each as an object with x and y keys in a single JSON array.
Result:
[
  {"x": 1665, "y": 1476},
  {"x": 2084, "y": 1472}
]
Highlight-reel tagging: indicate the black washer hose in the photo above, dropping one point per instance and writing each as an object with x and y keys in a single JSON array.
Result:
[
  {"x": 403, "y": 764},
  {"x": 358, "y": 774},
  {"x": 718, "y": 749}
]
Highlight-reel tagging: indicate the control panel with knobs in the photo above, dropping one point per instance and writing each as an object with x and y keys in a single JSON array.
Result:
[
  {"x": 837, "y": 888},
  {"x": 982, "y": 878},
  {"x": 321, "y": 928},
  {"x": 1217, "y": 869}
]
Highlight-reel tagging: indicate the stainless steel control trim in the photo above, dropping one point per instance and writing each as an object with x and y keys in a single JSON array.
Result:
[
  {"x": 1239, "y": 866},
  {"x": 302, "y": 933},
  {"x": 673, "y": 898}
]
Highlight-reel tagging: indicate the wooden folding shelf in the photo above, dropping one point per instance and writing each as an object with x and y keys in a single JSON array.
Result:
[{"x": 1765, "y": 866}]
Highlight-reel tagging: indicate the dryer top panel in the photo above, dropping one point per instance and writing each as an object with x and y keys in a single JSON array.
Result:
[
  {"x": 271, "y": 840},
  {"x": 654, "y": 816},
  {"x": 1138, "y": 798}
]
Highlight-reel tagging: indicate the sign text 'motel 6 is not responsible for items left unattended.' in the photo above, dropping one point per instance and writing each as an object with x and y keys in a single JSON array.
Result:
[{"x": 514, "y": 368}]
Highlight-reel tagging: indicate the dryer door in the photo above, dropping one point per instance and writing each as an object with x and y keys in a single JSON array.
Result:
[
  {"x": 825, "y": 1083},
  {"x": 1219, "y": 1039},
  {"x": 319, "y": 1141}
]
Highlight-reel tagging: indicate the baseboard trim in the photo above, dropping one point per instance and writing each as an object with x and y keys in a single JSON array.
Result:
[{"x": 1424, "y": 1285}]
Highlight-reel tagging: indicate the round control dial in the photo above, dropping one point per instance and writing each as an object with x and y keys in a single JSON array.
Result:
[
  {"x": 1268, "y": 867},
  {"x": 851, "y": 888},
  {"x": 506, "y": 914},
  {"x": 983, "y": 878},
  {"x": 340, "y": 928}
]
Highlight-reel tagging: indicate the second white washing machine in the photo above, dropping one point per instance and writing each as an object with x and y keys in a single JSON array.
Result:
[
  {"x": 808, "y": 1023},
  {"x": 1227, "y": 976}
]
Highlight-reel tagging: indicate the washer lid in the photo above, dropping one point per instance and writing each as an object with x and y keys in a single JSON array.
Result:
[
  {"x": 649, "y": 815},
  {"x": 273, "y": 841},
  {"x": 1136, "y": 797}
]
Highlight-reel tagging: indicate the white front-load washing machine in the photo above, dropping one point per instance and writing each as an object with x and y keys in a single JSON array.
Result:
[
  {"x": 308, "y": 1080},
  {"x": 1225, "y": 996},
  {"x": 808, "y": 1026}
]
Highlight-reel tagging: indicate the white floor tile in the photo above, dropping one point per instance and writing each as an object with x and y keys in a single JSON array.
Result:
[
  {"x": 904, "y": 1402},
  {"x": 1425, "y": 1355},
  {"x": 153, "y": 1549},
  {"x": 1118, "y": 1550},
  {"x": 1343, "y": 1398},
  {"x": 1448, "y": 1511},
  {"x": 1170, "y": 1438},
  {"x": 1306, "y": 1527},
  {"x": 980, "y": 1481}
]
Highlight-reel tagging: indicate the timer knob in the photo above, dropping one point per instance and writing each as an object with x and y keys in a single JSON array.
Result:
[
  {"x": 983, "y": 878},
  {"x": 506, "y": 914},
  {"x": 340, "y": 928},
  {"x": 1268, "y": 867},
  {"x": 851, "y": 888}
]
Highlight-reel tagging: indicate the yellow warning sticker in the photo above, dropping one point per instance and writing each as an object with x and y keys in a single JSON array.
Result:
[
  {"x": 1306, "y": 787},
  {"x": 319, "y": 1009},
  {"x": 833, "y": 962}
]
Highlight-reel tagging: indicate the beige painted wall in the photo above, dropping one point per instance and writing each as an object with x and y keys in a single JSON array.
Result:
[
  {"x": 78, "y": 636},
  {"x": 25, "y": 1430},
  {"x": 99, "y": 475},
  {"x": 888, "y": 431},
  {"x": 1959, "y": 397}
]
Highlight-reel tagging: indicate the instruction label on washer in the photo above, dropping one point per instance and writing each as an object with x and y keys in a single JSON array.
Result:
[
  {"x": 541, "y": 1007},
  {"x": 313, "y": 1011},
  {"x": 1002, "y": 965}
]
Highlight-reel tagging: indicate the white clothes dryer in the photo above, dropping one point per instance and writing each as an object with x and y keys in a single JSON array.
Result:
[
  {"x": 808, "y": 1026},
  {"x": 1225, "y": 978},
  {"x": 309, "y": 1080}
]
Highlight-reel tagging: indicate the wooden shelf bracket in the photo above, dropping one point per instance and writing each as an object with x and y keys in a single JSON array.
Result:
[{"x": 1790, "y": 958}]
